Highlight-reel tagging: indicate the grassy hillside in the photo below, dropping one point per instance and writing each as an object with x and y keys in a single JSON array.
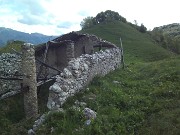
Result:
[
  {"x": 136, "y": 45},
  {"x": 141, "y": 99},
  {"x": 144, "y": 99}
]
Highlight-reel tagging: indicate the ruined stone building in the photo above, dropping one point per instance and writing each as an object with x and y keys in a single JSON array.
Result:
[
  {"x": 66, "y": 47},
  {"x": 55, "y": 54}
]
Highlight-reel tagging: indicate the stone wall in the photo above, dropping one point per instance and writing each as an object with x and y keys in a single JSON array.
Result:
[
  {"x": 79, "y": 72},
  {"x": 10, "y": 66},
  {"x": 85, "y": 45}
]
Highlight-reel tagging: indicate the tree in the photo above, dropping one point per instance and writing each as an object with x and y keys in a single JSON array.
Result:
[
  {"x": 102, "y": 17},
  {"x": 87, "y": 22},
  {"x": 142, "y": 28},
  {"x": 166, "y": 41},
  {"x": 135, "y": 22},
  {"x": 109, "y": 16}
]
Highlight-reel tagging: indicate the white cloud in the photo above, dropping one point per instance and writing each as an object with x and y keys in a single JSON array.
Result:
[{"x": 54, "y": 17}]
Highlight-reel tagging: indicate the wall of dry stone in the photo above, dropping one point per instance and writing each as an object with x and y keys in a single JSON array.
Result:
[
  {"x": 79, "y": 72},
  {"x": 10, "y": 66}
]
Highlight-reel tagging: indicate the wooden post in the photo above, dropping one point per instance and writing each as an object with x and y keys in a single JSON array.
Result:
[
  {"x": 122, "y": 54},
  {"x": 29, "y": 87}
]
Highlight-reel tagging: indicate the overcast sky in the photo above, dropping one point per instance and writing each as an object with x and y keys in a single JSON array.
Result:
[{"x": 56, "y": 17}]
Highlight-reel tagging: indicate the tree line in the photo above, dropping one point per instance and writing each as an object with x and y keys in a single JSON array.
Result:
[
  {"x": 108, "y": 16},
  {"x": 102, "y": 17},
  {"x": 166, "y": 41}
]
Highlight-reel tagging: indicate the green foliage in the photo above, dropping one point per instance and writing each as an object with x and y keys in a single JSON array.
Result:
[
  {"x": 87, "y": 22},
  {"x": 109, "y": 16},
  {"x": 12, "y": 116},
  {"x": 142, "y": 28},
  {"x": 8, "y": 48},
  {"x": 166, "y": 41},
  {"x": 137, "y": 45},
  {"x": 102, "y": 17}
]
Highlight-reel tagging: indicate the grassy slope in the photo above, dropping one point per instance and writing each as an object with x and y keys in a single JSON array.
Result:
[
  {"x": 145, "y": 101},
  {"x": 136, "y": 45}
]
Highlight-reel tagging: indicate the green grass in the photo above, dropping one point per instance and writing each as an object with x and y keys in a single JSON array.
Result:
[
  {"x": 145, "y": 101},
  {"x": 12, "y": 116},
  {"x": 137, "y": 46}
]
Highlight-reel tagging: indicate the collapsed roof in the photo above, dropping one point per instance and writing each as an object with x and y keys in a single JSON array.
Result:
[{"x": 75, "y": 37}]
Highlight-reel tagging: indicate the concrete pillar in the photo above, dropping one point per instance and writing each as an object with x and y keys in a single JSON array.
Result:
[
  {"x": 29, "y": 86},
  {"x": 70, "y": 51}
]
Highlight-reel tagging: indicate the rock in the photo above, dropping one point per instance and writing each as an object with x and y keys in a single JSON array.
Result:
[
  {"x": 50, "y": 104},
  {"x": 31, "y": 132},
  {"x": 10, "y": 64},
  {"x": 87, "y": 122},
  {"x": 64, "y": 94},
  {"x": 62, "y": 100},
  {"x": 55, "y": 87},
  {"x": 76, "y": 65},
  {"x": 116, "y": 82},
  {"x": 65, "y": 87},
  {"x": 59, "y": 79},
  {"x": 67, "y": 73},
  {"x": 52, "y": 129},
  {"x": 36, "y": 125},
  {"x": 85, "y": 67},
  {"x": 89, "y": 114},
  {"x": 72, "y": 92}
]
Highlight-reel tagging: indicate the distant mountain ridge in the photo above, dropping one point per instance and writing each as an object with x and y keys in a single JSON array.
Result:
[{"x": 7, "y": 34}]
